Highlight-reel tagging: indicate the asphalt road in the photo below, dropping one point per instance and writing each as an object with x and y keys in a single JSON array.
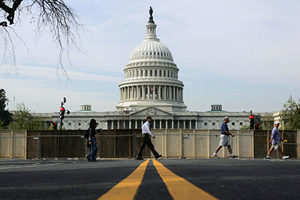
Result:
[{"x": 221, "y": 178}]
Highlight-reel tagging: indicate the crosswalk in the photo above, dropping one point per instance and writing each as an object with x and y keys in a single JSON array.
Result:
[{"x": 178, "y": 187}]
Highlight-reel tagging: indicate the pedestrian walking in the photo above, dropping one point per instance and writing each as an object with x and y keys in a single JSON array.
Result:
[
  {"x": 225, "y": 138},
  {"x": 276, "y": 142},
  {"x": 147, "y": 140},
  {"x": 92, "y": 141}
]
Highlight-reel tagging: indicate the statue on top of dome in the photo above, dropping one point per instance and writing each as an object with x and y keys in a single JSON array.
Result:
[
  {"x": 150, "y": 11},
  {"x": 151, "y": 17}
]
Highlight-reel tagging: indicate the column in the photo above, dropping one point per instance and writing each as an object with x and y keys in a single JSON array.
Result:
[
  {"x": 170, "y": 93},
  {"x": 154, "y": 122},
  {"x": 129, "y": 124},
  {"x": 184, "y": 124},
  {"x": 167, "y": 91},
  {"x": 172, "y": 124},
  {"x": 135, "y": 124},
  {"x": 138, "y": 93},
  {"x": 134, "y": 91},
  {"x": 143, "y": 92},
  {"x": 190, "y": 124},
  {"x": 159, "y": 92},
  {"x": 181, "y": 94},
  {"x": 118, "y": 124},
  {"x": 160, "y": 124},
  {"x": 128, "y": 94},
  {"x": 173, "y": 97},
  {"x": 123, "y": 92}
]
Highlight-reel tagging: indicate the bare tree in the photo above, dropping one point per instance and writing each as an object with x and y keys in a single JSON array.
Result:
[{"x": 52, "y": 14}]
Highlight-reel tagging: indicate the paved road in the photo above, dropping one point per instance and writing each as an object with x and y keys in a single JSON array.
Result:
[{"x": 166, "y": 179}]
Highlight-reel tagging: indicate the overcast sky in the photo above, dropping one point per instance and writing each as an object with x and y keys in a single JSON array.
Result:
[{"x": 241, "y": 54}]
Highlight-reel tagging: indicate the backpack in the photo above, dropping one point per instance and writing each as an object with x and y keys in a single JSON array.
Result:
[{"x": 86, "y": 134}]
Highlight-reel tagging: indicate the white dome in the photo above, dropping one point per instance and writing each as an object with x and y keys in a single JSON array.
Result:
[
  {"x": 151, "y": 77},
  {"x": 151, "y": 49}
]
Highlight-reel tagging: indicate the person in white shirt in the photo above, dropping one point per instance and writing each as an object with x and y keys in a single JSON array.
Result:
[{"x": 147, "y": 140}]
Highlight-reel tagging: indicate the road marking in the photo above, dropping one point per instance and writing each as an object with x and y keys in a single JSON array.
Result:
[
  {"x": 178, "y": 187},
  {"x": 128, "y": 187}
]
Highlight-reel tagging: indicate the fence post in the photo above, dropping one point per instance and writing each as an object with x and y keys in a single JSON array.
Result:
[
  {"x": 38, "y": 145},
  {"x": 181, "y": 145},
  {"x": 194, "y": 144},
  {"x": 134, "y": 145},
  {"x": 298, "y": 143},
  {"x": 115, "y": 144}
]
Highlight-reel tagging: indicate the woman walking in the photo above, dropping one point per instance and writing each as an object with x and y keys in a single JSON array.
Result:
[{"x": 92, "y": 141}]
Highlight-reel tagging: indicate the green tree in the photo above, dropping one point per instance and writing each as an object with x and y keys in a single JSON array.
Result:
[
  {"x": 290, "y": 115},
  {"x": 267, "y": 121},
  {"x": 5, "y": 115},
  {"x": 23, "y": 120}
]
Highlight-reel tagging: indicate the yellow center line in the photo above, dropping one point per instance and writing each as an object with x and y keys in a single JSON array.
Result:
[
  {"x": 128, "y": 187},
  {"x": 178, "y": 187}
]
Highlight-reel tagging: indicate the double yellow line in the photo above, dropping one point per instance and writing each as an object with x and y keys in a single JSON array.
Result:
[{"x": 178, "y": 187}]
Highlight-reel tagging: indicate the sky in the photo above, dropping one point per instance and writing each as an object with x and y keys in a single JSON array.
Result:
[{"x": 243, "y": 54}]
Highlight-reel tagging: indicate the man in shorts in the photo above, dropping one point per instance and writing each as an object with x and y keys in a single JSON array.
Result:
[
  {"x": 225, "y": 138},
  {"x": 276, "y": 142}
]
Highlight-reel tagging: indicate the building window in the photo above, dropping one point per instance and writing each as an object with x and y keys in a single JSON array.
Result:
[
  {"x": 241, "y": 123},
  {"x": 160, "y": 73},
  {"x": 233, "y": 123},
  {"x": 155, "y": 73},
  {"x": 205, "y": 123},
  {"x": 69, "y": 123},
  {"x": 150, "y": 72},
  {"x": 141, "y": 72},
  {"x": 79, "y": 124},
  {"x": 146, "y": 72},
  {"x": 164, "y": 73},
  {"x": 168, "y": 73},
  {"x": 213, "y": 123}
]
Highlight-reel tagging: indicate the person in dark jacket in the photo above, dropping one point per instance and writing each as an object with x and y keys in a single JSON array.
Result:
[{"x": 92, "y": 141}]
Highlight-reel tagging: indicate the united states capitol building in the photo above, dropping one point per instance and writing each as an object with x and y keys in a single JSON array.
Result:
[{"x": 151, "y": 87}]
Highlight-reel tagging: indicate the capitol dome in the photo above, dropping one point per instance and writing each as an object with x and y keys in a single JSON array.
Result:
[
  {"x": 151, "y": 77},
  {"x": 151, "y": 49}
]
